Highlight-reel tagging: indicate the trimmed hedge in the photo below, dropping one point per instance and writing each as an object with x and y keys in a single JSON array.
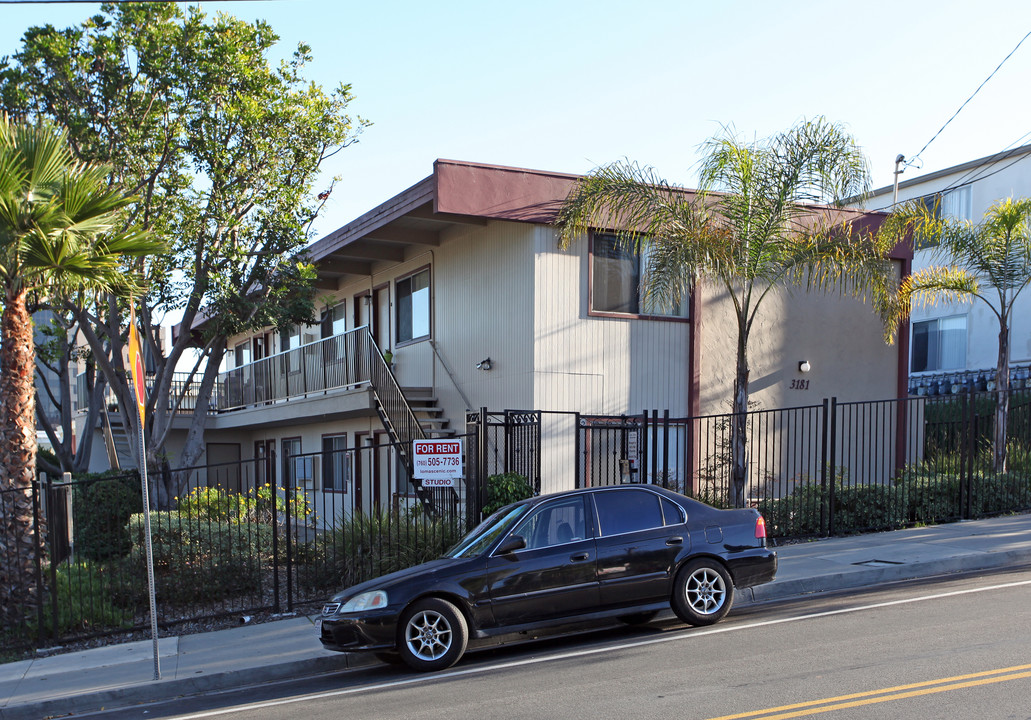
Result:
[{"x": 102, "y": 504}]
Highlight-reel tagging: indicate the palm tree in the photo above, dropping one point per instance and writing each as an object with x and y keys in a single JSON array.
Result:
[
  {"x": 989, "y": 261},
  {"x": 749, "y": 229},
  {"x": 57, "y": 218}
]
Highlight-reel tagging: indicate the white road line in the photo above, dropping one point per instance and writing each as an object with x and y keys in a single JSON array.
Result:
[{"x": 686, "y": 635}]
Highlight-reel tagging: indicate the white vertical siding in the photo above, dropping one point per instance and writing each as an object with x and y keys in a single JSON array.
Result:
[{"x": 483, "y": 307}]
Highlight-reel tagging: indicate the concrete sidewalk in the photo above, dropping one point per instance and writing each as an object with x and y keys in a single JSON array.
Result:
[{"x": 122, "y": 675}]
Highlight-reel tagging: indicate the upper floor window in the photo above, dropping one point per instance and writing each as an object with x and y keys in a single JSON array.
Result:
[
  {"x": 413, "y": 306},
  {"x": 939, "y": 344},
  {"x": 616, "y": 287},
  {"x": 334, "y": 321},
  {"x": 957, "y": 203}
]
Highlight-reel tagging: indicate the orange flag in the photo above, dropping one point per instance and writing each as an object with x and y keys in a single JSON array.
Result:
[{"x": 139, "y": 380}]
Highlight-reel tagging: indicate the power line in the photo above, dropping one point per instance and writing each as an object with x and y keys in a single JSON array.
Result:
[{"x": 917, "y": 156}]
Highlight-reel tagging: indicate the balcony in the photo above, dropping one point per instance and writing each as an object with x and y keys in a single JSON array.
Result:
[{"x": 339, "y": 362}]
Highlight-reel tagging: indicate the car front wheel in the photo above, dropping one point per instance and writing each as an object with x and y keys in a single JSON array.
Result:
[
  {"x": 433, "y": 635},
  {"x": 703, "y": 592}
]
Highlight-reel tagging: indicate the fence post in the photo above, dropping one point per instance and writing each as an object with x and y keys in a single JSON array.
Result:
[
  {"x": 288, "y": 492},
  {"x": 37, "y": 532},
  {"x": 577, "y": 451},
  {"x": 270, "y": 479},
  {"x": 481, "y": 460}
]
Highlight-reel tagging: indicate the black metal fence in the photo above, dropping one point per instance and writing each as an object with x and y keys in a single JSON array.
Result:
[
  {"x": 831, "y": 468},
  {"x": 277, "y": 533},
  {"x": 263, "y": 534}
]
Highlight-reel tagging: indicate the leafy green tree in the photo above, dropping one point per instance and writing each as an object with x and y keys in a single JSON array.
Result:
[
  {"x": 59, "y": 234},
  {"x": 223, "y": 149},
  {"x": 989, "y": 261},
  {"x": 748, "y": 230}
]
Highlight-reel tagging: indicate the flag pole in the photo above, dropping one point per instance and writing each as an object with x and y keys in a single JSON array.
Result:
[{"x": 140, "y": 390}]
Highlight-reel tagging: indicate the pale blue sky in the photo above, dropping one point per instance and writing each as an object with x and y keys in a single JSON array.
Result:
[{"x": 566, "y": 86}]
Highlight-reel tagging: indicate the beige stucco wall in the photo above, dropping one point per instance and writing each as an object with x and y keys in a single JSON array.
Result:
[{"x": 841, "y": 337}]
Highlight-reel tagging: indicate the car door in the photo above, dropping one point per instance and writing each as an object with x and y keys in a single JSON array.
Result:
[
  {"x": 554, "y": 575},
  {"x": 640, "y": 535}
]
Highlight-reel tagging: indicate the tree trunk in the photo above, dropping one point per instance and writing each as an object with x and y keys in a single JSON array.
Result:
[
  {"x": 1002, "y": 399},
  {"x": 19, "y": 542},
  {"x": 739, "y": 427}
]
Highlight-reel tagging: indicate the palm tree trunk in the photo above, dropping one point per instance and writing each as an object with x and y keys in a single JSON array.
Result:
[
  {"x": 739, "y": 426},
  {"x": 19, "y": 542},
  {"x": 1002, "y": 398}
]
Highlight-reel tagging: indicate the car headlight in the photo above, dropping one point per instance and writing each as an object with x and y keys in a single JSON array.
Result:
[{"x": 365, "y": 601}]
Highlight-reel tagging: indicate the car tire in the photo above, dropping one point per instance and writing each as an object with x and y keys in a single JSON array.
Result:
[
  {"x": 433, "y": 635},
  {"x": 638, "y": 618},
  {"x": 703, "y": 592}
]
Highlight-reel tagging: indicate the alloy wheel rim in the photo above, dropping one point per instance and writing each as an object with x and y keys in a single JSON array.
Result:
[
  {"x": 705, "y": 591},
  {"x": 428, "y": 635}
]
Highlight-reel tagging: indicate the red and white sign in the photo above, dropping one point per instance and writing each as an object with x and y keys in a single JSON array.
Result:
[{"x": 438, "y": 462}]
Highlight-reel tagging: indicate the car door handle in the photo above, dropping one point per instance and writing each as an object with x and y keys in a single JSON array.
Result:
[
  {"x": 579, "y": 557},
  {"x": 675, "y": 541}
]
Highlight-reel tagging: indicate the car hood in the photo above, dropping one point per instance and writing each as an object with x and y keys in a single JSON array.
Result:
[{"x": 423, "y": 573}]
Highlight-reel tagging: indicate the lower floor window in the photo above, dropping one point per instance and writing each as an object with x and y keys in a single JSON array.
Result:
[{"x": 336, "y": 463}]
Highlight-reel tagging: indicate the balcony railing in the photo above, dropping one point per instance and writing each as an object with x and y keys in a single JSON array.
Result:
[
  {"x": 341, "y": 361},
  {"x": 336, "y": 362},
  {"x": 180, "y": 382}
]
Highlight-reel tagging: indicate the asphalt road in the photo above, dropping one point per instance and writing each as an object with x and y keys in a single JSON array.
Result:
[{"x": 958, "y": 647}]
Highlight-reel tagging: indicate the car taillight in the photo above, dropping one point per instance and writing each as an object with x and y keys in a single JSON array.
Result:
[{"x": 760, "y": 528}]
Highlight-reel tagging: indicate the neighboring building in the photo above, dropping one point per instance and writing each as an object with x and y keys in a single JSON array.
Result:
[
  {"x": 958, "y": 343},
  {"x": 460, "y": 282}
]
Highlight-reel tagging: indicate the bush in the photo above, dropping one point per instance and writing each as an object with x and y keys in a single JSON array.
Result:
[
  {"x": 198, "y": 559},
  {"x": 362, "y": 547},
  {"x": 102, "y": 504},
  {"x": 857, "y": 508},
  {"x": 504, "y": 489},
  {"x": 85, "y": 601},
  {"x": 216, "y": 503}
]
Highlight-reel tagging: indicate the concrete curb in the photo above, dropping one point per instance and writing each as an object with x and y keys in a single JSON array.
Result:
[
  {"x": 872, "y": 577},
  {"x": 180, "y": 687}
]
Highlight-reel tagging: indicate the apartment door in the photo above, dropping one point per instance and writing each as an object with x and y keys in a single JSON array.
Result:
[
  {"x": 261, "y": 348},
  {"x": 373, "y": 471},
  {"x": 373, "y": 309}
]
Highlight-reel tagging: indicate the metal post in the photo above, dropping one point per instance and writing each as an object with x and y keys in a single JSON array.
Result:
[
  {"x": 833, "y": 439},
  {"x": 481, "y": 461},
  {"x": 150, "y": 553},
  {"x": 270, "y": 480}
]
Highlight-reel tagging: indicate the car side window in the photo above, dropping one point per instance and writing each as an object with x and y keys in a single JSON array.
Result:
[
  {"x": 672, "y": 513},
  {"x": 556, "y": 523},
  {"x": 627, "y": 511}
]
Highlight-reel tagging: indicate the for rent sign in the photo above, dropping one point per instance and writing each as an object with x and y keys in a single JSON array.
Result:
[{"x": 437, "y": 462}]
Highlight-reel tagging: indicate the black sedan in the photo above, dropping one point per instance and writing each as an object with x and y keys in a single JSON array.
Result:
[{"x": 623, "y": 552}]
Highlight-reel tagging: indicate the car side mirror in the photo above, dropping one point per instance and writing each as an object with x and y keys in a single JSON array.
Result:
[{"x": 511, "y": 544}]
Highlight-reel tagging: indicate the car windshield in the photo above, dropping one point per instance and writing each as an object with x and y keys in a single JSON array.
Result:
[{"x": 477, "y": 541}]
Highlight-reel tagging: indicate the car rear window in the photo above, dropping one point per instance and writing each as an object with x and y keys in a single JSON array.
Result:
[{"x": 627, "y": 511}]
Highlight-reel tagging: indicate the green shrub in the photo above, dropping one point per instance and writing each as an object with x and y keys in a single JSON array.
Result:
[
  {"x": 363, "y": 546},
  {"x": 504, "y": 489},
  {"x": 102, "y": 504},
  {"x": 216, "y": 503},
  {"x": 86, "y": 601},
  {"x": 197, "y": 559}
]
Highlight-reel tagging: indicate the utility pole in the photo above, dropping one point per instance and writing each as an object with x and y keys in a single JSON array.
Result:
[{"x": 895, "y": 196}]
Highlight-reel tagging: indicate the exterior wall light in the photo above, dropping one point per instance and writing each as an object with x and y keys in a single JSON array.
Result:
[
  {"x": 804, "y": 366},
  {"x": 484, "y": 364}
]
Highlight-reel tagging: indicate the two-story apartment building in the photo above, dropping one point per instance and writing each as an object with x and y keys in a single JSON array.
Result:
[
  {"x": 460, "y": 283},
  {"x": 956, "y": 343}
]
